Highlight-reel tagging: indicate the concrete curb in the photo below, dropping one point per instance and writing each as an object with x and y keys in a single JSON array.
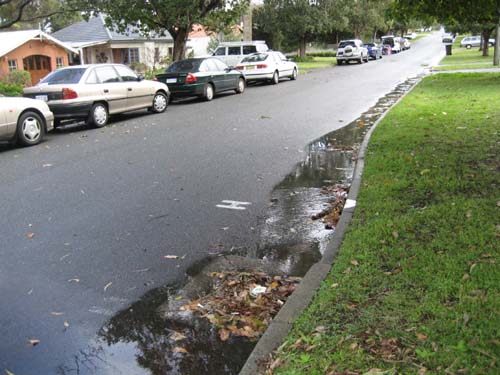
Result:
[{"x": 301, "y": 298}]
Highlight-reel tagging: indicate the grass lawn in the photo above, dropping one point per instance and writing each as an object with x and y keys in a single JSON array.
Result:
[
  {"x": 480, "y": 65},
  {"x": 415, "y": 288},
  {"x": 318, "y": 62},
  {"x": 462, "y": 55}
]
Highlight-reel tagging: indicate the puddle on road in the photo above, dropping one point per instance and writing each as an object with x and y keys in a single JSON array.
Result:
[{"x": 162, "y": 340}]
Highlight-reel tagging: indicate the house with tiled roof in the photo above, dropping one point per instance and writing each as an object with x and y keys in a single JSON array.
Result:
[
  {"x": 34, "y": 51},
  {"x": 98, "y": 43}
]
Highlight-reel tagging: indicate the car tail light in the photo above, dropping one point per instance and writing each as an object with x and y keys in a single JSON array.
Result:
[
  {"x": 69, "y": 93},
  {"x": 261, "y": 66},
  {"x": 239, "y": 67},
  {"x": 190, "y": 78}
]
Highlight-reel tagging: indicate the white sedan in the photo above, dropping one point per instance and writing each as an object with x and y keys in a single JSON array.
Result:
[
  {"x": 24, "y": 121},
  {"x": 267, "y": 66}
]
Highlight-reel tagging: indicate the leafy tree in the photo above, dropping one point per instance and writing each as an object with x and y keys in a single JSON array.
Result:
[
  {"x": 175, "y": 16},
  {"x": 32, "y": 13},
  {"x": 458, "y": 14}
]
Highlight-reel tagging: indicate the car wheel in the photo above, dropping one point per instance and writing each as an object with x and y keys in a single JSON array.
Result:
[
  {"x": 293, "y": 77},
  {"x": 339, "y": 62},
  {"x": 160, "y": 102},
  {"x": 360, "y": 61},
  {"x": 468, "y": 46},
  {"x": 276, "y": 78},
  {"x": 241, "y": 86},
  {"x": 98, "y": 116},
  {"x": 208, "y": 93},
  {"x": 367, "y": 58},
  {"x": 29, "y": 129}
]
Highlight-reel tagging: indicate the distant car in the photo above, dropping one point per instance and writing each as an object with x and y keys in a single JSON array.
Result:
[
  {"x": 202, "y": 77},
  {"x": 394, "y": 42},
  {"x": 411, "y": 35},
  {"x": 94, "y": 92},
  {"x": 474, "y": 41},
  {"x": 268, "y": 66},
  {"x": 374, "y": 50},
  {"x": 24, "y": 121},
  {"x": 448, "y": 38},
  {"x": 406, "y": 44},
  {"x": 352, "y": 50}
]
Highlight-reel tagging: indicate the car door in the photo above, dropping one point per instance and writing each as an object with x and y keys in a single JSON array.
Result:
[
  {"x": 285, "y": 66},
  {"x": 139, "y": 92},
  {"x": 228, "y": 77},
  {"x": 110, "y": 88},
  {"x": 6, "y": 129},
  {"x": 233, "y": 55}
]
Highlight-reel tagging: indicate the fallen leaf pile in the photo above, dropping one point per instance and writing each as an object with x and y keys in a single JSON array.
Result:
[
  {"x": 242, "y": 303},
  {"x": 331, "y": 215}
]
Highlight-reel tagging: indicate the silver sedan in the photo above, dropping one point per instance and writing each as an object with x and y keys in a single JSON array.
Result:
[{"x": 24, "y": 121}]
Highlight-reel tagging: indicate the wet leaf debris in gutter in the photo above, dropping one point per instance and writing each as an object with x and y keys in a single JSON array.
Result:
[
  {"x": 243, "y": 303},
  {"x": 331, "y": 215}
]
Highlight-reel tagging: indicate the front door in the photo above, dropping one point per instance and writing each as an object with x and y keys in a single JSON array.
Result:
[{"x": 38, "y": 66}]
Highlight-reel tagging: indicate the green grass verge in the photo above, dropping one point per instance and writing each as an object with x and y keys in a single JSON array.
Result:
[
  {"x": 415, "y": 288},
  {"x": 462, "y": 55},
  {"x": 317, "y": 62},
  {"x": 463, "y": 66},
  {"x": 420, "y": 36}
]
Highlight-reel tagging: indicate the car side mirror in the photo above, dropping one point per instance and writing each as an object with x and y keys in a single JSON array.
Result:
[{"x": 140, "y": 77}]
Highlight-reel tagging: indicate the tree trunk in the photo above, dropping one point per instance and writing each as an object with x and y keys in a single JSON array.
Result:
[
  {"x": 486, "y": 42},
  {"x": 496, "y": 54},
  {"x": 302, "y": 47},
  {"x": 180, "y": 37}
]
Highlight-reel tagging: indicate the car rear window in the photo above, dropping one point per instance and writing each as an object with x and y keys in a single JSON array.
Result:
[
  {"x": 184, "y": 66},
  {"x": 348, "y": 43},
  {"x": 71, "y": 75},
  {"x": 255, "y": 58}
]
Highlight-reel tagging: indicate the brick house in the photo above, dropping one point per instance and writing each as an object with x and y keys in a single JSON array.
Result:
[{"x": 34, "y": 51}]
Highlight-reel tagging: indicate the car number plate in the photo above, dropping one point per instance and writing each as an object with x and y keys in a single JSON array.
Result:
[
  {"x": 171, "y": 80},
  {"x": 45, "y": 98},
  {"x": 250, "y": 67}
]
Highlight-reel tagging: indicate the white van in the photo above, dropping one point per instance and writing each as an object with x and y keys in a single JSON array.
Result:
[{"x": 232, "y": 52}]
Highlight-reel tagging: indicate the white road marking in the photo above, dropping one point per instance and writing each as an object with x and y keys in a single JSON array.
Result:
[{"x": 233, "y": 205}]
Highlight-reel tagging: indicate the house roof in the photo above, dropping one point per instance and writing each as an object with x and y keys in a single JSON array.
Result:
[
  {"x": 94, "y": 31},
  {"x": 14, "y": 39}
]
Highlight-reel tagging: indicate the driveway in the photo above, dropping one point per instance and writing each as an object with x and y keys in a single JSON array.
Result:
[{"x": 89, "y": 216}]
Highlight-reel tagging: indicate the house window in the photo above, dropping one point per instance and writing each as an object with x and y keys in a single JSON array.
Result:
[
  {"x": 133, "y": 55},
  {"x": 59, "y": 62},
  {"x": 12, "y": 65}
]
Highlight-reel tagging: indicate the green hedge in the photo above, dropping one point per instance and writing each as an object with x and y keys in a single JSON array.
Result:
[{"x": 11, "y": 89}]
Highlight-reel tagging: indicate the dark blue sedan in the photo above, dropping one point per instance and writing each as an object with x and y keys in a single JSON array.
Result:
[{"x": 374, "y": 50}]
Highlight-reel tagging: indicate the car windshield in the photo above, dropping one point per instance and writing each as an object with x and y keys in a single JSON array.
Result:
[
  {"x": 184, "y": 66},
  {"x": 258, "y": 57},
  {"x": 347, "y": 43},
  {"x": 71, "y": 75}
]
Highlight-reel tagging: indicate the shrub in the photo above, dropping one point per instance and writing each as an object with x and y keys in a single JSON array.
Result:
[
  {"x": 19, "y": 77},
  {"x": 322, "y": 54},
  {"x": 138, "y": 67},
  {"x": 302, "y": 59},
  {"x": 10, "y": 89}
]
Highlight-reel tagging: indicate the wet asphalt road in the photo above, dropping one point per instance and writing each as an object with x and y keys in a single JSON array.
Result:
[{"x": 103, "y": 207}]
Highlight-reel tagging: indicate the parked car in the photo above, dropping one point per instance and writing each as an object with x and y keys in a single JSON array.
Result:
[
  {"x": 352, "y": 50},
  {"x": 411, "y": 35},
  {"x": 24, "y": 121},
  {"x": 405, "y": 44},
  {"x": 231, "y": 53},
  {"x": 94, "y": 92},
  {"x": 267, "y": 66},
  {"x": 393, "y": 41},
  {"x": 203, "y": 77},
  {"x": 448, "y": 38},
  {"x": 474, "y": 41},
  {"x": 374, "y": 50}
]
